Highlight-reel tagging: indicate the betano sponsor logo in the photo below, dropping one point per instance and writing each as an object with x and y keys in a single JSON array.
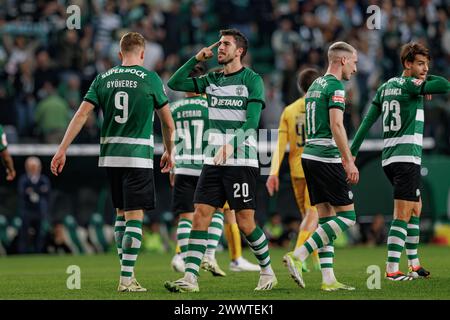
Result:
[{"x": 226, "y": 102}]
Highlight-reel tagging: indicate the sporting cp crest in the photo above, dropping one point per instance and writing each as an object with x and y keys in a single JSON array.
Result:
[{"x": 239, "y": 90}]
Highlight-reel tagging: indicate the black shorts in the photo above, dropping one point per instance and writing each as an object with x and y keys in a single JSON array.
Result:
[
  {"x": 405, "y": 178},
  {"x": 132, "y": 188},
  {"x": 327, "y": 182},
  {"x": 183, "y": 193},
  {"x": 218, "y": 184}
]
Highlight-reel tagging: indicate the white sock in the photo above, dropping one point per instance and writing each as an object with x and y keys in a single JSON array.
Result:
[
  {"x": 267, "y": 270},
  {"x": 392, "y": 267},
  {"x": 328, "y": 276},
  {"x": 190, "y": 277},
  {"x": 301, "y": 253},
  {"x": 210, "y": 253}
]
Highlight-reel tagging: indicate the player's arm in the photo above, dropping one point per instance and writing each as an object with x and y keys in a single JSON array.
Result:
[
  {"x": 168, "y": 132},
  {"x": 435, "y": 85},
  {"x": 371, "y": 117},
  {"x": 340, "y": 136},
  {"x": 273, "y": 182},
  {"x": 251, "y": 123},
  {"x": 9, "y": 164},
  {"x": 180, "y": 80},
  {"x": 336, "y": 107},
  {"x": 75, "y": 126}
]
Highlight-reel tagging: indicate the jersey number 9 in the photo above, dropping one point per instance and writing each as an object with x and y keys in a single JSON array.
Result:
[{"x": 121, "y": 103}]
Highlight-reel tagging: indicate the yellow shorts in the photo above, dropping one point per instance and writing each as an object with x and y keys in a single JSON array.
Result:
[
  {"x": 301, "y": 195},
  {"x": 226, "y": 206}
]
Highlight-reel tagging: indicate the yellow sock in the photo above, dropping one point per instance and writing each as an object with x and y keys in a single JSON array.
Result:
[
  {"x": 315, "y": 255},
  {"x": 177, "y": 249},
  {"x": 229, "y": 237},
  {"x": 234, "y": 240},
  {"x": 302, "y": 237}
]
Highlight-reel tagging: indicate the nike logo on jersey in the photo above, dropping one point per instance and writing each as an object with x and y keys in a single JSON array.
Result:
[{"x": 247, "y": 200}]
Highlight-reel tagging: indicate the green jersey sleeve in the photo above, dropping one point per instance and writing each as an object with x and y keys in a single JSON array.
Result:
[
  {"x": 159, "y": 92},
  {"x": 414, "y": 86},
  {"x": 256, "y": 90},
  {"x": 3, "y": 141},
  {"x": 92, "y": 94},
  {"x": 336, "y": 95},
  {"x": 202, "y": 82}
]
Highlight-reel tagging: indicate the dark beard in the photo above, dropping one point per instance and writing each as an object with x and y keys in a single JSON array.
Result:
[{"x": 225, "y": 62}]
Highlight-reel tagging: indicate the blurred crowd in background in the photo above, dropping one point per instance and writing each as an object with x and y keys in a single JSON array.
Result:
[{"x": 45, "y": 70}]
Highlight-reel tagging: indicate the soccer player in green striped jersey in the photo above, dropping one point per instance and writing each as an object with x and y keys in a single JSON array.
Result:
[
  {"x": 328, "y": 165},
  {"x": 235, "y": 100},
  {"x": 190, "y": 115},
  {"x": 400, "y": 101},
  {"x": 6, "y": 157},
  {"x": 128, "y": 96}
]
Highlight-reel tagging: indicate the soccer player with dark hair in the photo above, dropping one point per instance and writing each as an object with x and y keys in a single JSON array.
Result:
[
  {"x": 235, "y": 100},
  {"x": 400, "y": 100},
  {"x": 190, "y": 116},
  {"x": 292, "y": 131},
  {"x": 128, "y": 96},
  {"x": 329, "y": 166}
]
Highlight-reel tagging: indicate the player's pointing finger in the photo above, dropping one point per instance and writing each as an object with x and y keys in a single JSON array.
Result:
[{"x": 214, "y": 45}]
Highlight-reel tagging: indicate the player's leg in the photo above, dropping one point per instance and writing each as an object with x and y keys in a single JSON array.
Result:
[
  {"x": 240, "y": 188},
  {"x": 396, "y": 239},
  {"x": 138, "y": 195},
  {"x": 182, "y": 205},
  {"x": 209, "y": 195},
  {"x": 184, "y": 227},
  {"x": 233, "y": 236},
  {"x": 405, "y": 179},
  {"x": 131, "y": 244},
  {"x": 260, "y": 247},
  {"x": 331, "y": 194},
  {"x": 412, "y": 242},
  {"x": 309, "y": 217},
  {"x": 119, "y": 230},
  {"x": 215, "y": 230}
]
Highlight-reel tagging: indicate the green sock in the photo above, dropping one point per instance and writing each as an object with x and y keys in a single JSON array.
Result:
[
  {"x": 119, "y": 230},
  {"x": 326, "y": 233},
  {"x": 412, "y": 241},
  {"x": 196, "y": 250},
  {"x": 183, "y": 232},
  {"x": 131, "y": 244},
  {"x": 396, "y": 243},
  {"x": 260, "y": 247},
  {"x": 214, "y": 234}
]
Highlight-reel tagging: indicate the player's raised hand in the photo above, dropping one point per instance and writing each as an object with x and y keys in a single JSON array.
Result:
[
  {"x": 58, "y": 162},
  {"x": 206, "y": 53},
  {"x": 272, "y": 184},
  {"x": 351, "y": 170},
  {"x": 166, "y": 163}
]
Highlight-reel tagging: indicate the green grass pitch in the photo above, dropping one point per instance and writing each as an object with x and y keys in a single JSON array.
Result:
[{"x": 44, "y": 277}]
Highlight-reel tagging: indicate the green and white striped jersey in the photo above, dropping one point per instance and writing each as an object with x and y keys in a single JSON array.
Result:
[
  {"x": 324, "y": 93},
  {"x": 127, "y": 96},
  {"x": 228, "y": 97},
  {"x": 3, "y": 141},
  {"x": 401, "y": 104},
  {"x": 191, "y": 122}
]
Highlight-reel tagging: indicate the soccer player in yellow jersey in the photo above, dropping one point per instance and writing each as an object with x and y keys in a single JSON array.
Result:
[{"x": 292, "y": 131}]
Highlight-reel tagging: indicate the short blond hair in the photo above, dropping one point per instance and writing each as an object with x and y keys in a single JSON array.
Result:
[
  {"x": 337, "y": 48},
  {"x": 131, "y": 42}
]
